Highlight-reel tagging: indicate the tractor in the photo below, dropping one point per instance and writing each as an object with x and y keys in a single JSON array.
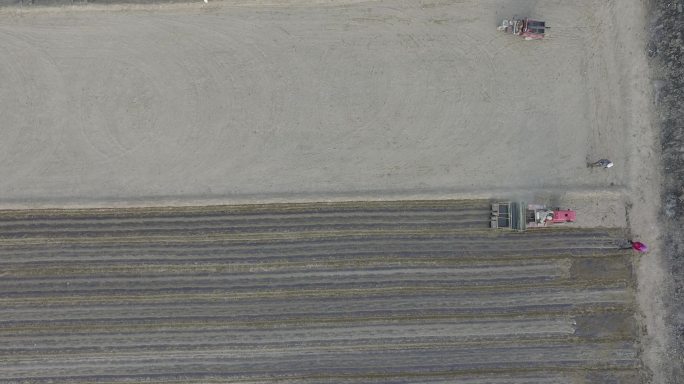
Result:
[
  {"x": 519, "y": 216},
  {"x": 526, "y": 28}
]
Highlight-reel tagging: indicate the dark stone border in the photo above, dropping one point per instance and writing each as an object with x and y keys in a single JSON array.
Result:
[{"x": 666, "y": 50}]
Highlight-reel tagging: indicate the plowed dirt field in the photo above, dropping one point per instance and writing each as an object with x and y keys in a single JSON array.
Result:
[{"x": 417, "y": 291}]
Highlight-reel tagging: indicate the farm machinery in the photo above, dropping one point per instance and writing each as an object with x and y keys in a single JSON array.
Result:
[
  {"x": 519, "y": 216},
  {"x": 526, "y": 28}
]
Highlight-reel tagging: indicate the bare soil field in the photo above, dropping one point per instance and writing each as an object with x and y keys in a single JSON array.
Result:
[
  {"x": 413, "y": 291},
  {"x": 229, "y": 102}
]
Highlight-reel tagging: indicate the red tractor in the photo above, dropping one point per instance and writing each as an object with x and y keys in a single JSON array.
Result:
[
  {"x": 527, "y": 28},
  {"x": 519, "y": 216}
]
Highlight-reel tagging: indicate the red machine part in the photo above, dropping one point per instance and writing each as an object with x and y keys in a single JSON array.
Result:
[{"x": 563, "y": 216}]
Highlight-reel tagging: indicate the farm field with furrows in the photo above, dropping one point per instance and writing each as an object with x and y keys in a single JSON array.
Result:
[{"x": 353, "y": 292}]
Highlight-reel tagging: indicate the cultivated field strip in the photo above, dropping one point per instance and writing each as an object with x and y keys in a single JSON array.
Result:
[{"x": 414, "y": 291}]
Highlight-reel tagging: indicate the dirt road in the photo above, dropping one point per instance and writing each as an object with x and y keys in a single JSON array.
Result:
[{"x": 353, "y": 292}]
